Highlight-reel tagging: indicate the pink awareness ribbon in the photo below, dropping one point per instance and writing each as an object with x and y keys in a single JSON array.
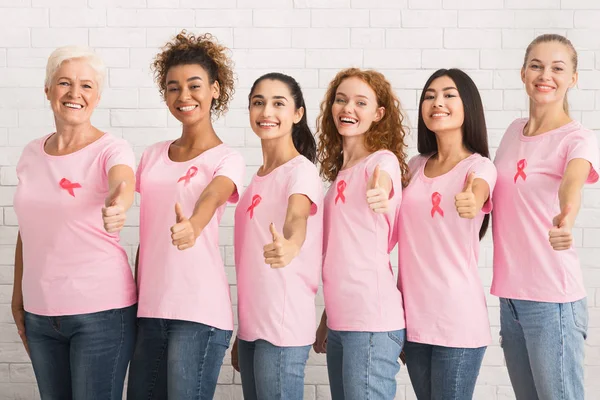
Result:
[
  {"x": 341, "y": 186},
  {"x": 521, "y": 170},
  {"x": 68, "y": 186},
  {"x": 436, "y": 199},
  {"x": 188, "y": 175},
  {"x": 255, "y": 201}
]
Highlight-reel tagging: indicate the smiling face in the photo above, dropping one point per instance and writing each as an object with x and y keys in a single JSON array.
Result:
[
  {"x": 73, "y": 92},
  {"x": 189, "y": 93},
  {"x": 273, "y": 111},
  {"x": 355, "y": 107},
  {"x": 548, "y": 73},
  {"x": 442, "y": 108}
]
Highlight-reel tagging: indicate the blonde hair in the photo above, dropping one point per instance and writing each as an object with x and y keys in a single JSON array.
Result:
[
  {"x": 66, "y": 53},
  {"x": 552, "y": 37}
]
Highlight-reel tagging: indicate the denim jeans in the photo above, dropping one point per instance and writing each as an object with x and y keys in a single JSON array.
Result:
[
  {"x": 543, "y": 345},
  {"x": 82, "y": 357},
  {"x": 272, "y": 372},
  {"x": 178, "y": 360},
  {"x": 443, "y": 373},
  {"x": 363, "y": 365}
]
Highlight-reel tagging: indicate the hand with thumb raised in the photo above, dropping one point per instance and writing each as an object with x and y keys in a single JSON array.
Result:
[
  {"x": 377, "y": 197},
  {"x": 113, "y": 212},
  {"x": 183, "y": 234},
  {"x": 560, "y": 234},
  {"x": 281, "y": 251},
  {"x": 465, "y": 202}
]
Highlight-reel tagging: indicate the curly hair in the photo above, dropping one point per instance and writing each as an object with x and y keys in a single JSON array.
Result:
[
  {"x": 205, "y": 51},
  {"x": 386, "y": 134}
]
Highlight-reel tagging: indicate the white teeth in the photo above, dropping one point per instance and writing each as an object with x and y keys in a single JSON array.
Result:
[
  {"x": 188, "y": 108},
  {"x": 440, "y": 115},
  {"x": 349, "y": 120},
  {"x": 267, "y": 124},
  {"x": 73, "y": 105},
  {"x": 544, "y": 87}
]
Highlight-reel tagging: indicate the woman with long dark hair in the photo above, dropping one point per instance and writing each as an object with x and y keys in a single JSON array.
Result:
[
  {"x": 278, "y": 240},
  {"x": 443, "y": 215}
]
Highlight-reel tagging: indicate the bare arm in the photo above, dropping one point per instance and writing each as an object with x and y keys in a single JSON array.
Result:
[
  {"x": 18, "y": 310},
  {"x": 121, "y": 188}
]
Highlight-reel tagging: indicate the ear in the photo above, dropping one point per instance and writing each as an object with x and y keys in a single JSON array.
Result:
[
  {"x": 379, "y": 114},
  {"x": 298, "y": 115},
  {"x": 523, "y": 74},
  {"x": 216, "y": 90},
  {"x": 47, "y": 91},
  {"x": 574, "y": 80}
]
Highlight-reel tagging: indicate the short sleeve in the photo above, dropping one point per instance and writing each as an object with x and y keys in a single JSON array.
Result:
[
  {"x": 583, "y": 144},
  {"x": 387, "y": 162},
  {"x": 485, "y": 169},
  {"x": 232, "y": 166},
  {"x": 118, "y": 152},
  {"x": 138, "y": 173},
  {"x": 305, "y": 180}
]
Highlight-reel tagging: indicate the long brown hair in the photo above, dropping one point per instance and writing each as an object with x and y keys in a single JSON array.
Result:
[{"x": 385, "y": 134}]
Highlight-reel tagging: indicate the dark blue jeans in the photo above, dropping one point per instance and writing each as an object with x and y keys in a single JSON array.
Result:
[
  {"x": 272, "y": 372},
  {"x": 178, "y": 360},
  {"x": 81, "y": 356},
  {"x": 443, "y": 373}
]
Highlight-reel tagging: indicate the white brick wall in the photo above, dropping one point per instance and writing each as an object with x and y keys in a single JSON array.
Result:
[{"x": 311, "y": 40}]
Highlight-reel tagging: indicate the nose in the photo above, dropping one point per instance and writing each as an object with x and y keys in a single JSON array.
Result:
[
  {"x": 184, "y": 93},
  {"x": 74, "y": 91},
  {"x": 267, "y": 110},
  {"x": 546, "y": 73}
]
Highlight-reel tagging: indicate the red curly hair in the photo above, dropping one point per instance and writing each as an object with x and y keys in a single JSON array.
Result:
[{"x": 386, "y": 134}]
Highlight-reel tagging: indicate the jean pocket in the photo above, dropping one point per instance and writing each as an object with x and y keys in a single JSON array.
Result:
[
  {"x": 398, "y": 337},
  {"x": 221, "y": 337},
  {"x": 580, "y": 315}
]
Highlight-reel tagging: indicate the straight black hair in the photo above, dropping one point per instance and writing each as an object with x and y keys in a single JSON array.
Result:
[
  {"x": 302, "y": 136},
  {"x": 474, "y": 129}
]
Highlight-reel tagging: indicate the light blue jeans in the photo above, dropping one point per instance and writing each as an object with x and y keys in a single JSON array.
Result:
[
  {"x": 272, "y": 372},
  {"x": 443, "y": 373},
  {"x": 363, "y": 365},
  {"x": 544, "y": 348}
]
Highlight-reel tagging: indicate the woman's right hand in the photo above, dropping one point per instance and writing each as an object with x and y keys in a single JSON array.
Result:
[
  {"x": 19, "y": 317},
  {"x": 234, "y": 355},
  {"x": 320, "y": 344}
]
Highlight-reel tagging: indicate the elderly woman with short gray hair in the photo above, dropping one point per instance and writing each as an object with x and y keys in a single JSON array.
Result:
[{"x": 74, "y": 295}]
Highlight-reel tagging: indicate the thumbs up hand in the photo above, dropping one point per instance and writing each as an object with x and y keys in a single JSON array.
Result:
[
  {"x": 560, "y": 234},
  {"x": 183, "y": 233},
  {"x": 465, "y": 202},
  {"x": 377, "y": 197},
  {"x": 281, "y": 251},
  {"x": 113, "y": 212}
]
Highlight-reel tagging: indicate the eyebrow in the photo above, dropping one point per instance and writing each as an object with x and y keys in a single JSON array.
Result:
[
  {"x": 555, "y": 61},
  {"x": 82, "y": 80},
  {"x": 193, "y": 78},
  {"x": 260, "y": 96},
  {"x": 358, "y": 95},
  {"x": 444, "y": 89}
]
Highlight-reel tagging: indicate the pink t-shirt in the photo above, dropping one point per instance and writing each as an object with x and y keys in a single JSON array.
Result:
[
  {"x": 358, "y": 283},
  {"x": 438, "y": 252},
  {"x": 278, "y": 304},
  {"x": 530, "y": 169},
  {"x": 71, "y": 265},
  {"x": 191, "y": 284}
]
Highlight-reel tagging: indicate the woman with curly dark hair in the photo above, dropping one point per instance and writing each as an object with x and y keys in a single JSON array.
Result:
[
  {"x": 185, "y": 318},
  {"x": 362, "y": 154}
]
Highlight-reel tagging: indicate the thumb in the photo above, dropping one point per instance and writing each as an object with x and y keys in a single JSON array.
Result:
[
  {"x": 375, "y": 178},
  {"x": 179, "y": 216},
  {"x": 274, "y": 232},
  {"x": 114, "y": 197},
  {"x": 560, "y": 219},
  {"x": 469, "y": 182}
]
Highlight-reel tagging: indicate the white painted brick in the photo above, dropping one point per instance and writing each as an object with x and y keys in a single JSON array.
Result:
[
  {"x": 473, "y": 4},
  {"x": 379, "y": 4},
  {"x": 55, "y": 37},
  {"x": 16, "y": 3},
  {"x": 586, "y": 19},
  {"x": 22, "y": 373},
  {"x": 580, "y": 4},
  {"x": 486, "y": 19},
  {"x": 114, "y": 58},
  {"x": 582, "y": 40},
  {"x": 14, "y": 37},
  {"x": 117, "y": 4},
  {"x": 21, "y": 391},
  {"x": 23, "y": 17},
  {"x": 450, "y": 59},
  {"x": 386, "y": 18},
  {"x": 335, "y": 58},
  {"x": 472, "y": 38},
  {"x": 320, "y": 38},
  {"x": 586, "y": 60},
  {"x": 507, "y": 79},
  {"x": 582, "y": 100},
  {"x": 339, "y": 18},
  {"x": 281, "y": 18},
  {"x": 158, "y": 37},
  {"x": 517, "y": 38},
  {"x": 516, "y": 100},
  {"x": 9, "y": 216},
  {"x": 501, "y": 59},
  {"x": 369, "y": 38},
  {"x": 500, "y": 119},
  {"x": 275, "y": 58},
  {"x": 28, "y": 58},
  {"x": 414, "y": 38},
  {"x": 408, "y": 79},
  {"x": 22, "y": 77},
  {"x": 119, "y": 98},
  {"x": 262, "y": 38},
  {"x": 265, "y": 4},
  {"x": 3, "y": 57},
  {"x": 429, "y": 19},
  {"x": 321, "y": 4},
  {"x": 162, "y": 3},
  {"x": 138, "y": 118},
  {"x": 546, "y": 20},
  {"x": 130, "y": 77},
  {"x": 387, "y": 58},
  {"x": 149, "y": 18},
  {"x": 589, "y": 79},
  {"x": 77, "y": 17},
  {"x": 425, "y": 4},
  {"x": 9, "y": 118},
  {"x": 532, "y": 4},
  {"x": 117, "y": 37}
]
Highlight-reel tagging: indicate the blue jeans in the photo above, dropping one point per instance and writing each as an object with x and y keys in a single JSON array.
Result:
[
  {"x": 443, "y": 373},
  {"x": 272, "y": 372},
  {"x": 178, "y": 360},
  {"x": 363, "y": 365},
  {"x": 543, "y": 345},
  {"x": 82, "y": 356}
]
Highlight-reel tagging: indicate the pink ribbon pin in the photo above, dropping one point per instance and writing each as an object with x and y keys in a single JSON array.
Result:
[
  {"x": 436, "y": 199},
  {"x": 521, "y": 170},
  {"x": 188, "y": 175},
  {"x": 68, "y": 186},
  {"x": 341, "y": 186},
  {"x": 255, "y": 201}
]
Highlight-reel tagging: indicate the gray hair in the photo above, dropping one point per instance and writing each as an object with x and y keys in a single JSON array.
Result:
[{"x": 66, "y": 53}]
